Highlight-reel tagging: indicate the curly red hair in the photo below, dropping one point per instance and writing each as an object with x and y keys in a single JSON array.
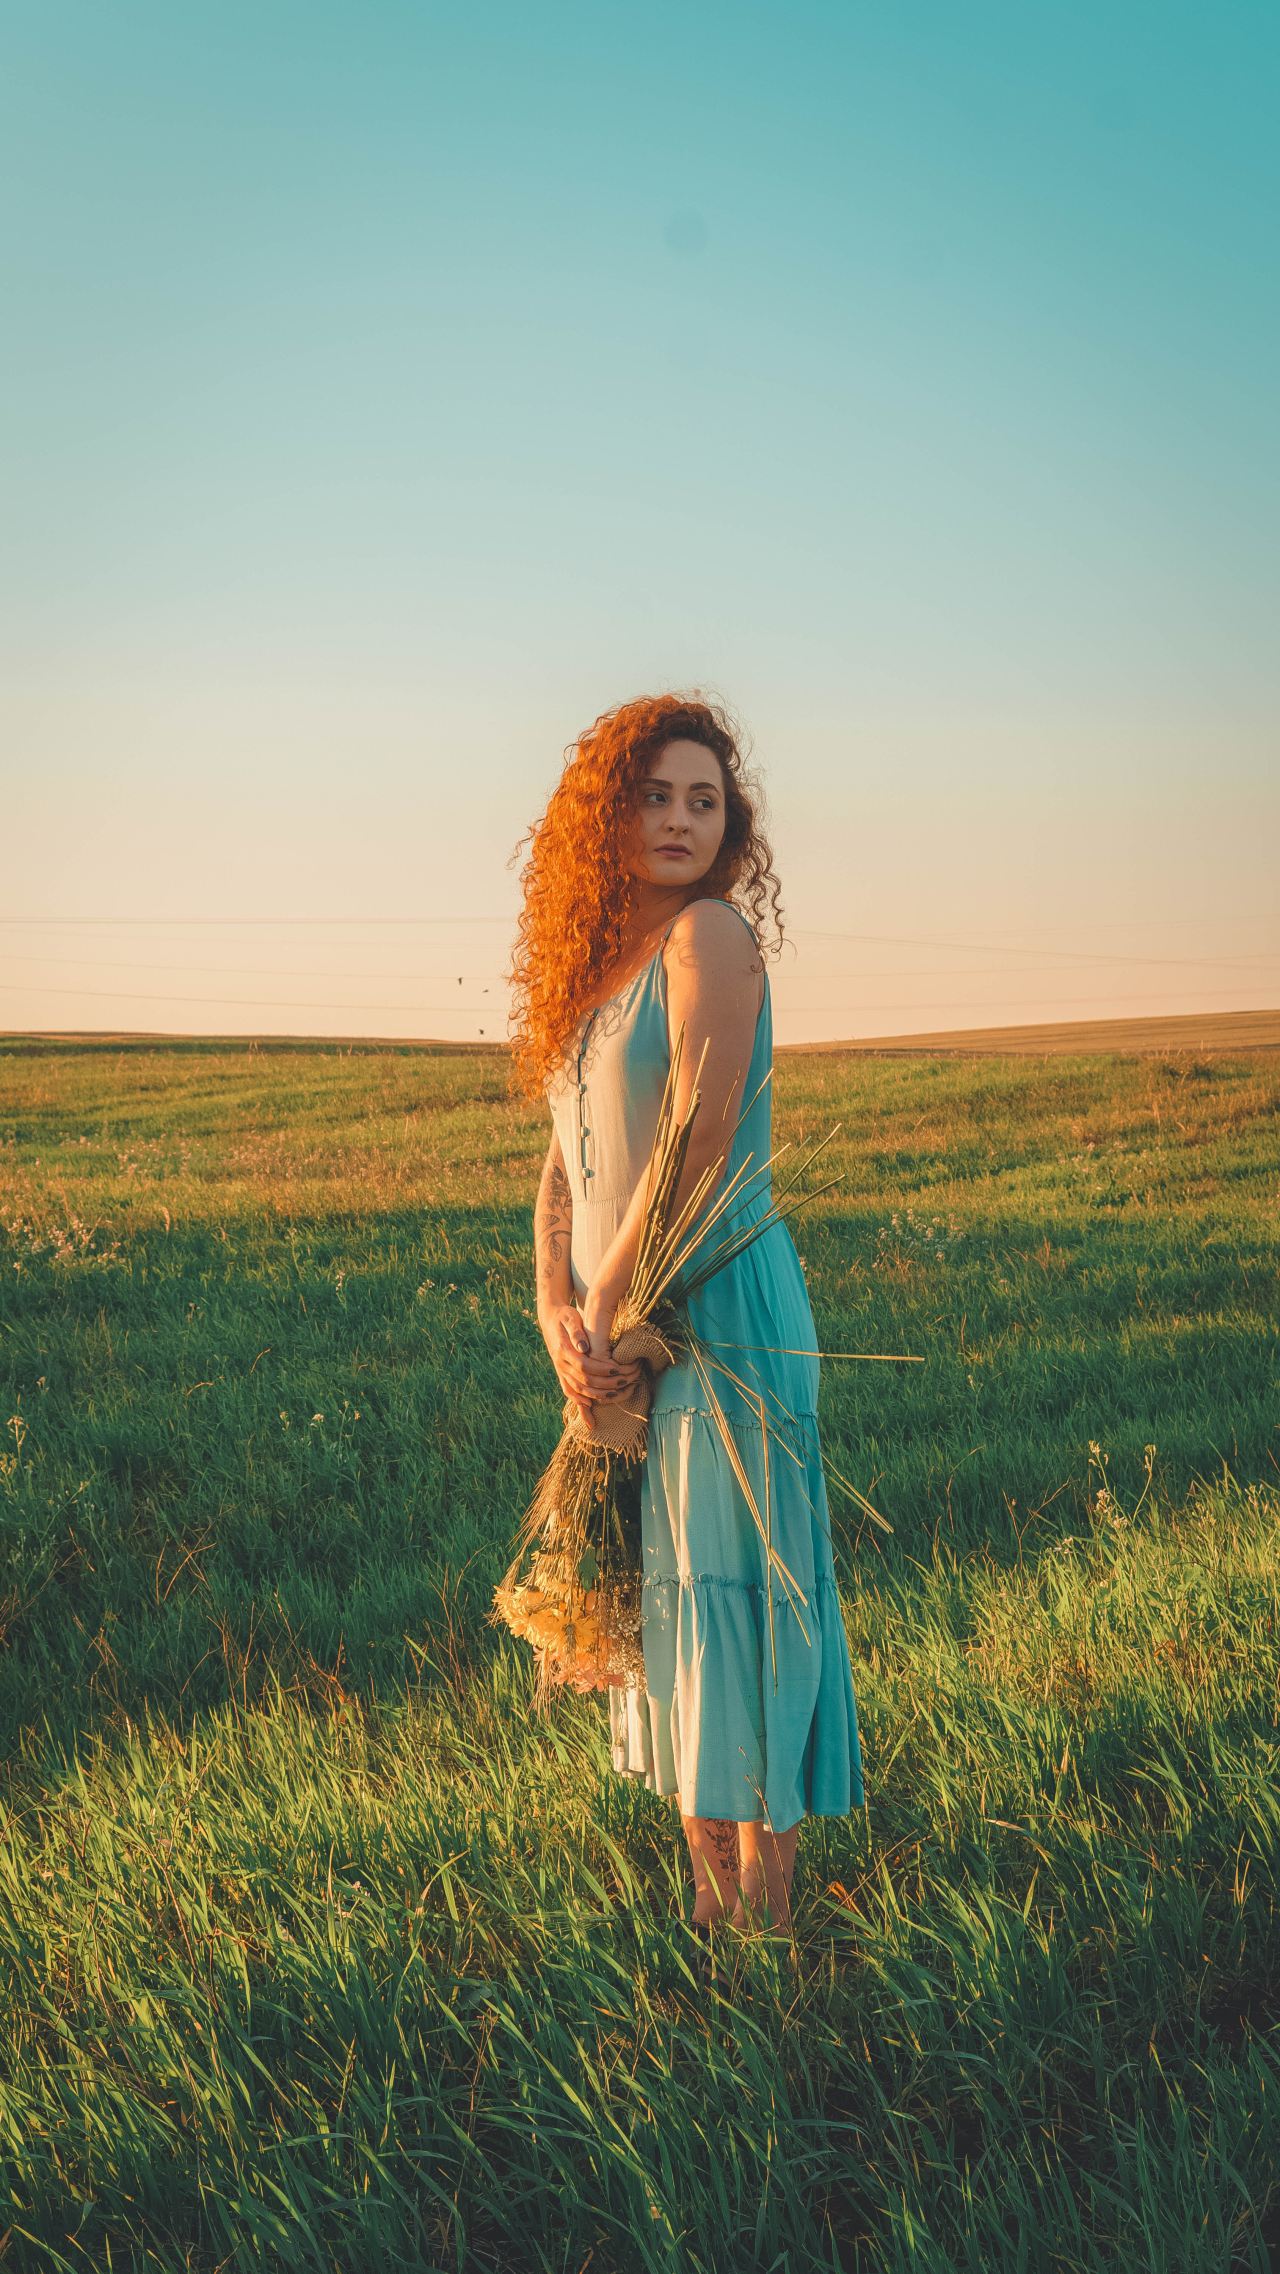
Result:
[{"x": 578, "y": 894}]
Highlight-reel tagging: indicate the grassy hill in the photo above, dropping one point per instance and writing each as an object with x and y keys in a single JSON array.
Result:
[
  {"x": 1194, "y": 1033},
  {"x": 319, "y": 1949},
  {"x": 1179, "y": 1034}
]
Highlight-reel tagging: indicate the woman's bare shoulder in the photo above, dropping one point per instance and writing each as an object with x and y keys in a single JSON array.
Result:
[
  {"x": 713, "y": 932},
  {"x": 712, "y": 956}
]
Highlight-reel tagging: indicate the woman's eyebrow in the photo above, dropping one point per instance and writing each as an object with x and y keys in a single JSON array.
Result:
[{"x": 660, "y": 782}]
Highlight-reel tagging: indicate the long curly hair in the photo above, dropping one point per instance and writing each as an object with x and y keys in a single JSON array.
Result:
[{"x": 579, "y": 895}]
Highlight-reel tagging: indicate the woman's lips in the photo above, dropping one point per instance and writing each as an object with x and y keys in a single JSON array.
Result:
[{"x": 674, "y": 852}]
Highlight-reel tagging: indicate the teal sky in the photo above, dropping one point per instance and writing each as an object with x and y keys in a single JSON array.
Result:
[{"x": 389, "y": 389}]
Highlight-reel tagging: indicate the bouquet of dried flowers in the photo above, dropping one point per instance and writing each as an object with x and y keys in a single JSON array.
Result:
[{"x": 573, "y": 1589}]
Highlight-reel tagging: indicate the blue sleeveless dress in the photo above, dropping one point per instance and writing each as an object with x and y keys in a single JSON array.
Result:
[{"x": 713, "y": 1726}]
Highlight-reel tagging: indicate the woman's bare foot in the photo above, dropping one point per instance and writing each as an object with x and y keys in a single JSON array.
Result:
[
  {"x": 759, "y": 1925},
  {"x": 764, "y": 1890}
]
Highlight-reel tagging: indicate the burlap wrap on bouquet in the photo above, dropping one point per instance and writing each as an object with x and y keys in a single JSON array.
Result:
[{"x": 624, "y": 1425}]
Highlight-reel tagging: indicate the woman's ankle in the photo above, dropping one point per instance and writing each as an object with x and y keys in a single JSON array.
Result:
[
  {"x": 709, "y": 1911},
  {"x": 757, "y": 1917}
]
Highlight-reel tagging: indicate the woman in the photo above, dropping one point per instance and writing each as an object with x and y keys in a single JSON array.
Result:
[{"x": 629, "y": 930}]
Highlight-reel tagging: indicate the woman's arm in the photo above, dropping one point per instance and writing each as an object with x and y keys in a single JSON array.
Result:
[
  {"x": 715, "y": 987},
  {"x": 584, "y": 1375},
  {"x": 553, "y": 1233}
]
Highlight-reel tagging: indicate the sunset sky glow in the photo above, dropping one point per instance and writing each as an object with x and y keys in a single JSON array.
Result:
[{"x": 391, "y": 388}]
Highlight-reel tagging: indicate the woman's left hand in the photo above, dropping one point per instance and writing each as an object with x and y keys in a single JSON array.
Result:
[
  {"x": 597, "y": 1318},
  {"x": 629, "y": 1370}
]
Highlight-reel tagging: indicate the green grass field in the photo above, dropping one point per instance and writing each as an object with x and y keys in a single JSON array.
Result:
[{"x": 321, "y": 1950}]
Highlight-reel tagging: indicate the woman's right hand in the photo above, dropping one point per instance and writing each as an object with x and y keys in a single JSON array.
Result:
[{"x": 584, "y": 1376}]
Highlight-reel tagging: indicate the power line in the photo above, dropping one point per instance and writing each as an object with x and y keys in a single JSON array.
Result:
[
  {"x": 168, "y": 923},
  {"x": 876, "y": 939},
  {"x": 279, "y": 1003},
  {"x": 246, "y": 970},
  {"x": 1069, "y": 955},
  {"x": 240, "y": 1002},
  {"x": 433, "y": 978}
]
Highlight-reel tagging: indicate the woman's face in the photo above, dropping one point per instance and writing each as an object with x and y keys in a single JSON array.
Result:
[{"x": 681, "y": 818}]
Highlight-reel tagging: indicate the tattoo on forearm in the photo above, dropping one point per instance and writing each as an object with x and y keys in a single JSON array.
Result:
[{"x": 552, "y": 1226}]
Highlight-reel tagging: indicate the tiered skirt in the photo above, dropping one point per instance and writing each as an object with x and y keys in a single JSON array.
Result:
[{"x": 736, "y": 1723}]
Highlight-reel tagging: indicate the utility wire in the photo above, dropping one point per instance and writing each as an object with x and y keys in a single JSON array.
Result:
[
  {"x": 251, "y": 970},
  {"x": 863, "y": 939},
  {"x": 168, "y": 923},
  {"x": 430, "y": 1010},
  {"x": 1070, "y": 955},
  {"x": 434, "y": 978}
]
